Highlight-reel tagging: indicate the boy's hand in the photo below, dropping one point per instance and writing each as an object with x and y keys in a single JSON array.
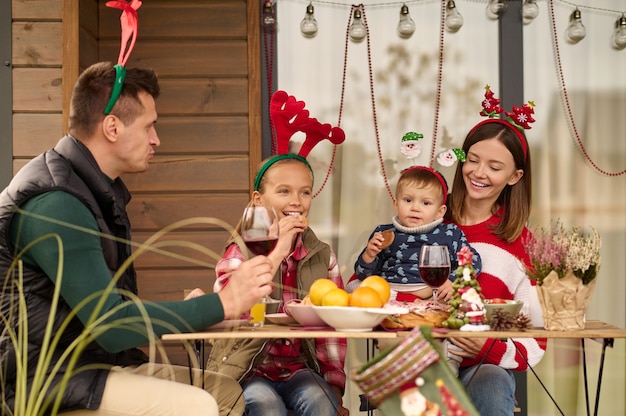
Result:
[
  {"x": 374, "y": 246},
  {"x": 445, "y": 291}
]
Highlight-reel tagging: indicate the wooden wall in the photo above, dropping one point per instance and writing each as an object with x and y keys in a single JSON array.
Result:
[{"x": 207, "y": 55}]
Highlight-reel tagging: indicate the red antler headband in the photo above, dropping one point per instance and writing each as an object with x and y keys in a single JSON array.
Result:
[
  {"x": 288, "y": 117},
  {"x": 519, "y": 119},
  {"x": 437, "y": 175},
  {"x": 129, "y": 23}
]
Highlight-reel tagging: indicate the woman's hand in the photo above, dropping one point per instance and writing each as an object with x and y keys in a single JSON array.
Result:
[{"x": 470, "y": 346}]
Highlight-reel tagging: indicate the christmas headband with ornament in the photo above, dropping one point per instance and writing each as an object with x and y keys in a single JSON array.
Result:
[
  {"x": 129, "y": 23},
  {"x": 288, "y": 117},
  {"x": 518, "y": 120}
]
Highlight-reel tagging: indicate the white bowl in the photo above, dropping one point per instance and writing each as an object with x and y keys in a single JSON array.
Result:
[
  {"x": 304, "y": 314},
  {"x": 350, "y": 318}
]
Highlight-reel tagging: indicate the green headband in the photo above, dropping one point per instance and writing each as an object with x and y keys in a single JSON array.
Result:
[
  {"x": 120, "y": 74},
  {"x": 275, "y": 159}
]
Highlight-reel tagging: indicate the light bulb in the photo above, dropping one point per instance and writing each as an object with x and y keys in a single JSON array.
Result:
[
  {"x": 575, "y": 31},
  {"x": 308, "y": 26},
  {"x": 357, "y": 31},
  {"x": 495, "y": 8},
  {"x": 454, "y": 20},
  {"x": 406, "y": 25},
  {"x": 618, "y": 40},
  {"x": 269, "y": 17},
  {"x": 530, "y": 10}
]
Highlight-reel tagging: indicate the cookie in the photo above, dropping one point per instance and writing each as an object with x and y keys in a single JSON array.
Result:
[
  {"x": 388, "y": 237},
  {"x": 305, "y": 221}
]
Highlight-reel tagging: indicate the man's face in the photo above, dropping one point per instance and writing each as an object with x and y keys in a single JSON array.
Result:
[{"x": 137, "y": 140}]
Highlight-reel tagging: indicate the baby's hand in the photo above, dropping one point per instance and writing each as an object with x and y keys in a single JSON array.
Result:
[
  {"x": 374, "y": 246},
  {"x": 445, "y": 291}
]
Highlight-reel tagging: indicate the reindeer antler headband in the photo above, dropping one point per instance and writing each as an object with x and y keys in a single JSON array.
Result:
[
  {"x": 288, "y": 117},
  {"x": 519, "y": 119},
  {"x": 129, "y": 23}
]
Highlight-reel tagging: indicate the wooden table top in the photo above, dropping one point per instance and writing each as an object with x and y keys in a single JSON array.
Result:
[{"x": 593, "y": 329}]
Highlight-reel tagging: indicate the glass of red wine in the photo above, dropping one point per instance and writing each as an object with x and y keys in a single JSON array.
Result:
[
  {"x": 434, "y": 266},
  {"x": 259, "y": 229}
]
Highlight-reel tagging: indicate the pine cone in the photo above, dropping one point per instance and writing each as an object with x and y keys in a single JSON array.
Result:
[
  {"x": 523, "y": 322},
  {"x": 502, "y": 321}
]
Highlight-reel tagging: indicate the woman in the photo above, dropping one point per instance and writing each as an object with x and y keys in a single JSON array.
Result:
[{"x": 490, "y": 202}]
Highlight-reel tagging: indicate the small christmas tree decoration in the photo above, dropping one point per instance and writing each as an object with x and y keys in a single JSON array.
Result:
[{"x": 467, "y": 311}]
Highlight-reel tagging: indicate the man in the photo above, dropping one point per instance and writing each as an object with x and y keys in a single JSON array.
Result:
[{"x": 63, "y": 216}]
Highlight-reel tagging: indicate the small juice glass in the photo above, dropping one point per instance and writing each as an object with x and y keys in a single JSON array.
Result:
[{"x": 257, "y": 313}]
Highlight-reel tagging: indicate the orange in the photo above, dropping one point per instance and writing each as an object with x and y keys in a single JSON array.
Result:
[
  {"x": 365, "y": 297},
  {"x": 319, "y": 288},
  {"x": 379, "y": 284},
  {"x": 336, "y": 297}
]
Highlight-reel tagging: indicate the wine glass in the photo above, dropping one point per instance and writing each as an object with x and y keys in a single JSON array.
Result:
[
  {"x": 434, "y": 266},
  {"x": 259, "y": 229}
]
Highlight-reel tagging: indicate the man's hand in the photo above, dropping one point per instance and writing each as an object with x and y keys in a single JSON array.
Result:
[{"x": 250, "y": 282}]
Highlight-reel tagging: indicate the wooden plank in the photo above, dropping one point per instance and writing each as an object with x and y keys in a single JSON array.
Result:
[
  {"x": 182, "y": 20},
  {"x": 36, "y": 9},
  {"x": 255, "y": 133},
  {"x": 177, "y": 249},
  {"x": 88, "y": 50},
  {"x": 192, "y": 174},
  {"x": 37, "y": 89},
  {"x": 169, "y": 285},
  {"x": 71, "y": 60},
  {"x": 152, "y": 212},
  {"x": 202, "y": 135},
  {"x": 37, "y": 43},
  {"x": 35, "y": 133},
  {"x": 88, "y": 17},
  {"x": 187, "y": 58},
  {"x": 203, "y": 96}
]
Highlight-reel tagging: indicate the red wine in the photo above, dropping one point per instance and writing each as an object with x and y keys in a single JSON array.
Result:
[
  {"x": 261, "y": 246},
  {"x": 434, "y": 276}
]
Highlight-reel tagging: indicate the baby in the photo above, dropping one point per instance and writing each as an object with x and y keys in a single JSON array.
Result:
[{"x": 420, "y": 205}]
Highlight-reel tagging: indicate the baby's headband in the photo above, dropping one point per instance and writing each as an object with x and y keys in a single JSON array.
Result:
[
  {"x": 288, "y": 117},
  {"x": 519, "y": 119},
  {"x": 437, "y": 175},
  {"x": 129, "y": 23}
]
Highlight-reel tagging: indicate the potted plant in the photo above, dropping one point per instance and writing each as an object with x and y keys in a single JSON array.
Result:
[{"x": 564, "y": 266}]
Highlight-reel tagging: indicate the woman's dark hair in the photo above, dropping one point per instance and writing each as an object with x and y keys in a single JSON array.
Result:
[
  {"x": 515, "y": 199},
  {"x": 93, "y": 90}
]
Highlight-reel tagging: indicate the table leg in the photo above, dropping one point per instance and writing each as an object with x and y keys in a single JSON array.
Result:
[{"x": 606, "y": 342}]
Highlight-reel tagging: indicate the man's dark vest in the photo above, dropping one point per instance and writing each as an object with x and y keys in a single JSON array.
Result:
[{"x": 71, "y": 168}]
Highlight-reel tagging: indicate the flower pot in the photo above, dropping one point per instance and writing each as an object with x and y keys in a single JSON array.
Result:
[{"x": 564, "y": 301}]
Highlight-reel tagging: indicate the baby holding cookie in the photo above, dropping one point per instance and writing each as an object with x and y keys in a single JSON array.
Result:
[{"x": 393, "y": 249}]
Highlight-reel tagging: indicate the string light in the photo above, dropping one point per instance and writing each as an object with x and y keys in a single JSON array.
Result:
[
  {"x": 269, "y": 16},
  {"x": 530, "y": 11},
  {"x": 575, "y": 31},
  {"x": 618, "y": 40},
  {"x": 357, "y": 28},
  {"x": 406, "y": 25},
  {"x": 308, "y": 26},
  {"x": 454, "y": 20},
  {"x": 495, "y": 8}
]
